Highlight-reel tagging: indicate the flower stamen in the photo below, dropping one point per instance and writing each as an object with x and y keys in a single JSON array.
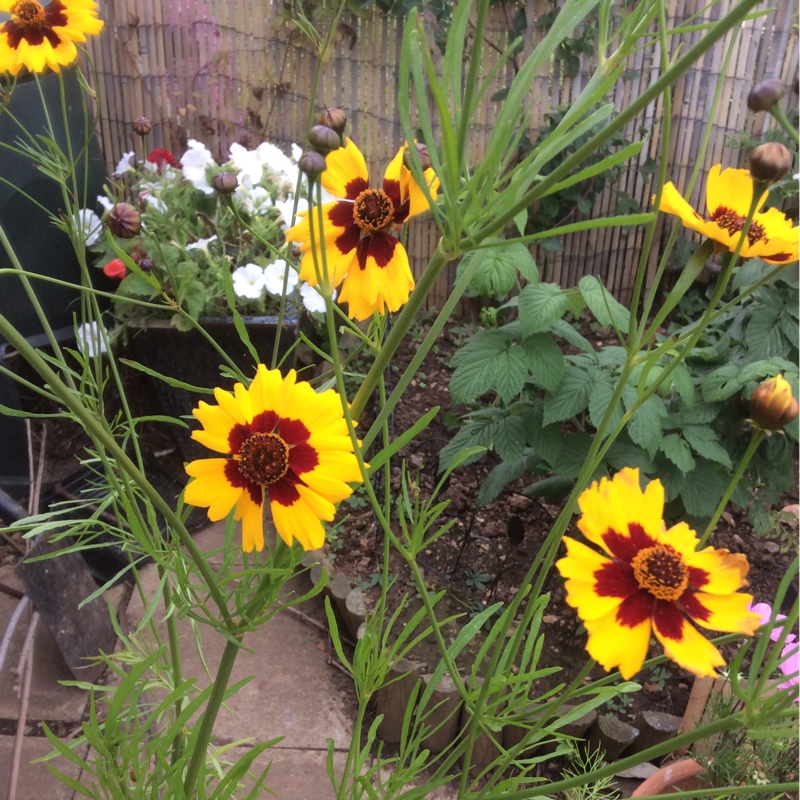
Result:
[
  {"x": 373, "y": 210},
  {"x": 733, "y": 223},
  {"x": 660, "y": 570},
  {"x": 264, "y": 458},
  {"x": 29, "y": 13}
]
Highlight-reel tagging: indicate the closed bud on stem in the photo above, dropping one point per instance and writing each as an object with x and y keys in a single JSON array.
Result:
[
  {"x": 225, "y": 183},
  {"x": 124, "y": 221},
  {"x": 141, "y": 126},
  {"x": 424, "y": 158},
  {"x": 313, "y": 164},
  {"x": 769, "y": 162},
  {"x": 324, "y": 139},
  {"x": 764, "y": 95},
  {"x": 335, "y": 119},
  {"x": 772, "y": 405}
]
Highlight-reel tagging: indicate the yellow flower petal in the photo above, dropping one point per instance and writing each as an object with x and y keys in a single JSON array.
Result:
[
  {"x": 343, "y": 166},
  {"x": 613, "y": 645},
  {"x": 727, "y": 613},
  {"x": 691, "y": 650},
  {"x": 252, "y": 516},
  {"x": 210, "y": 488},
  {"x": 723, "y": 572}
]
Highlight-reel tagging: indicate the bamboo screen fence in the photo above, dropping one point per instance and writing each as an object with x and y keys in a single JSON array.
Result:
[{"x": 239, "y": 70}]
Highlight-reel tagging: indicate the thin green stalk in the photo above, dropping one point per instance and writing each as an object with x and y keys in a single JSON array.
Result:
[
  {"x": 175, "y": 660},
  {"x": 756, "y": 438},
  {"x": 783, "y": 121},
  {"x": 355, "y": 745},
  {"x": 200, "y": 748},
  {"x": 401, "y": 326},
  {"x": 678, "y": 68}
]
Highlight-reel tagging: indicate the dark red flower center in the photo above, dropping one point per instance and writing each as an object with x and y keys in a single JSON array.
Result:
[
  {"x": 733, "y": 223},
  {"x": 32, "y": 21},
  {"x": 661, "y": 571},
  {"x": 373, "y": 210},
  {"x": 264, "y": 458}
]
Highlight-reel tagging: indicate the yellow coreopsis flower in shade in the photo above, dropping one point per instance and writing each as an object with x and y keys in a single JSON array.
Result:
[
  {"x": 771, "y": 236},
  {"x": 650, "y": 579},
  {"x": 282, "y": 442},
  {"x": 40, "y": 35},
  {"x": 361, "y": 249}
]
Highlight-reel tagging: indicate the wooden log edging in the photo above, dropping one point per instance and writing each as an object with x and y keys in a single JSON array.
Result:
[{"x": 606, "y": 732}]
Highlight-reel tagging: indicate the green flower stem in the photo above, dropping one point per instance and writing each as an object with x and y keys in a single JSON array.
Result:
[
  {"x": 401, "y": 326},
  {"x": 200, "y": 745},
  {"x": 175, "y": 661},
  {"x": 756, "y": 438},
  {"x": 343, "y": 790},
  {"x": 783, "y": 121},
  {"x": 102, "y": 436}
]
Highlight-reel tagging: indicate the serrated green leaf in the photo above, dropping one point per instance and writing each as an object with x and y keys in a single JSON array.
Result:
[
  {"x": 721, "y": 384},
  {"x": 509, "y": 437},
  {"x": 570, "y": 398},
  {"x": 545, "y": 360},
  {"x": 644, "y": 427},
  {"x": 497, "y": 274},
  {"x": 601, "y": 395},
  {"x": 521, "y": 220},
  {"x": 572, "y": 454},
  {"x": 511, "y": 373},
  {"x": 553, "y": 489},
  {"x": 683, "y": 384},
  {"x": 541, "y": 305},
  {"x": 623, "y": 454},
  {"x": 503, "y": 474},
  {"x": 749, "y": 273},
  {"x": 133, "y": 285},
  {"x": 477, "y": 367},
  {"x": 606, "y": 309},
  {"x": 703, "y": 488},
  {"x": 704, "y": 442},
  {"x": 567, "y": 332},
  {"x": 764, "y": 337},
  {"x": 678, "y": 452},
  {"x": 474, "y": 433}
]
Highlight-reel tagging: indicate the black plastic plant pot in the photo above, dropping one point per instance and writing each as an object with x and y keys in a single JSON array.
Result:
[
  {"x": 188, "y": 357},
  {"x": 38, "y": 244}
]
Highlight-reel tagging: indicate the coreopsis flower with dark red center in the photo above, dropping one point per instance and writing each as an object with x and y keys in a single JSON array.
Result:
[
  {"x": 361, "y": 250},
  {"x": 115, "y": 269},
  {"x": 648, "y": 579},
  {"x": 161, "y": 158},
  {"x": 771, "y": 236},
  {"x": 283, "y": 443},
  {"x": 38, "y": 36}
]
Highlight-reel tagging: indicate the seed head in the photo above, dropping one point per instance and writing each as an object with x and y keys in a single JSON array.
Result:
[
  {"x": 225, "y": 183},
  {"x": 124, "y": 221},
  {"x": 772, "y": 404},
  {"x": 764, "y": 95},
  {"x": 141, "y": 126},
  {"x": 334, "y": 118},
  {"x": 313, "y": 164},
  {"x": 324, "y": 139},
  {"x": 769, "y": 162}
]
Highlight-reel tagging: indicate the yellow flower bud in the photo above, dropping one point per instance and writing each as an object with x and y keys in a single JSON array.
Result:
[{"x": 772, "y": 405}]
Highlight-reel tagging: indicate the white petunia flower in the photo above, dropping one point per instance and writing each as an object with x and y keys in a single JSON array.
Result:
[
  {"x": 255, "y": 200},
  {"x": 126, "y": 164},
  {"x": 105, "y": 202},
  {"x": 201, "y": 244},
  {"x": 90, "y": 226},
  {"x": 249, "y": 281},
  {"x": 286, "y": 207},
  {"x": 312, "y": 299},
  {"x": 248, "y": 164},
  {"x": 194, "y": 163},
  {"x": 274, "y": 275},
  {"x": 89, "y": 339}
]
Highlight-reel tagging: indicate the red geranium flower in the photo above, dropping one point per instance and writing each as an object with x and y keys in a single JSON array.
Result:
[
  {"x": 162, "y": 157},
  {"x": 116, "y": 269}
]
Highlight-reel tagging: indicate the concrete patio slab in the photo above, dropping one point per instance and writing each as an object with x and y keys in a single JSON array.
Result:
[{"x": 35, "y": 782}]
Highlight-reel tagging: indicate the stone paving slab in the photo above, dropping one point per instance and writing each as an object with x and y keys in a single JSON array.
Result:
[
  {"x": 49, "y": 700},
  {"x": 36, "y": 782}
]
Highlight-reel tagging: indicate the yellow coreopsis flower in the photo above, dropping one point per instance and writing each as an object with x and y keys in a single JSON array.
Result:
[
  {"x": 282, "y": 442},
  {"x": 361, "y": 250},
  {"x": 771, "y": 236},
  {"x": 39, "y": 36},
  {"x": 650, "y": 579}
]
